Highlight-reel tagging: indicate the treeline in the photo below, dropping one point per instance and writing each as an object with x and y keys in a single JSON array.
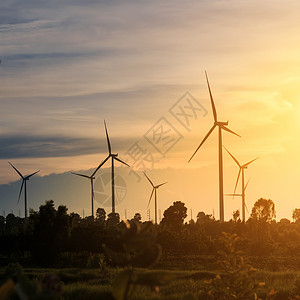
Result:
[{"x": 51, "y": 236}]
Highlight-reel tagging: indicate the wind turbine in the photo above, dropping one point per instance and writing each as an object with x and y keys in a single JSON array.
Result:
[
  {"x": 221, "y": 126},
  {"x": 24, "y": 179},
  {"x": 113, "y": 158},
  {"x": 241, "y": 170},
  {"x": 91, "y": 178},
  {"x": 241, "y": 195},
  {"x": 155, "y": 187}
]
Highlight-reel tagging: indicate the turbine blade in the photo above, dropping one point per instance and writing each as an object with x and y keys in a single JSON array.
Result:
[
  {"x": 205, "y": 138},
  {"x": 16, "y": 170},
  {"x": 21, "y": 190},
  {"x": 94, "y": 173},
  {"x": 85, "y": 176},
  {"x": 247, "y": 184},
  {"x": 160, "y": 184},
  {"x": 121, "y": 161},
  {"x": 237, "y": 180},
  {"x": 232, "y": 157},
  {"x": 211, "y": 99},
  {"x": 108, "y": 142},
  {"x": 246, "y": 208},
  {"x": 229, "y": 130},
  {"x": 149, "y": 179},
  {"x": 105, "y": 160},
  {"x": 250, "y": 162},
  {"x": 28, "y": 176},
  {"x": 150, "y": 198}
]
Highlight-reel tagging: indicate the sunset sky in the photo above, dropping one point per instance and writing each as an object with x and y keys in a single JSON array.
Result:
[{"x": 68, "y": 65}]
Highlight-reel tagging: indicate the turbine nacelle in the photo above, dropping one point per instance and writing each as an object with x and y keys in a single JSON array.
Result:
[
  {"x": 113, "y": 156},
  {"x": 221, "y": 125},
  {"x": 157, "y": 186},
  {"x": 91, "y": 178},
  {"x": 244, "y": 187},
  {"x": 24, "y": 179},
  {"x": 217, "y": 123},
  {"x": 154, "y": 188}
]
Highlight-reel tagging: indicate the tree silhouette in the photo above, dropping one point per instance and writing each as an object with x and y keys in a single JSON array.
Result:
[
  {"x": 236, "y": 215},
  {"x": 74, "y": 219},
  {"x": 2, "y": 225},
  {"x": 175, "y": 214},
  {"x": 11, "y": 223},
  {"x": 296, "y": 215},
  {"x": 50, "y": 231},
  {"x": 203, "y": 218},
  {"x": 284, "y": 221},
  {"x": 62, "y": 227},
  {"x": 137, "y": 217},
  {"x": 100, "y": 215},
  {"x": 263, "y": 210},
  {"x": 113, "y": 219}
]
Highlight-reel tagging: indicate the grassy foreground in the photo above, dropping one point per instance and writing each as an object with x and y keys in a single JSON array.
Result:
[
  {"x": 229, "y": 275},
  {"x": 97, "y": 284}
]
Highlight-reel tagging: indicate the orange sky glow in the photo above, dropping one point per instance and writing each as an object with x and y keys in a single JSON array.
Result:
[{"x": 129, "y": 65}]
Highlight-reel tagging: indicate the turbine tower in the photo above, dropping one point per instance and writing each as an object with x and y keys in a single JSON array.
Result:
[
  {"x": 154, "y": 190},
  {"x": 221, "y": 126},
  {"x": 241, "y": 195},
  {"x": 241, "y": 170},
  {"x": 113, "y": 158},
  {"x": 91, "y": 178},
  {"x": 24, "y": 179}
]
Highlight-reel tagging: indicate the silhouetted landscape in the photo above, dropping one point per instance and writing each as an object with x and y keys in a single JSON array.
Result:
[
  {"x": 149, "y": 150},
  {"x": 199, "y": 259}
]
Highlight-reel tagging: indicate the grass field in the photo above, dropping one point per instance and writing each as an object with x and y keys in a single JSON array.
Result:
[{"x": 91, "y": 284}]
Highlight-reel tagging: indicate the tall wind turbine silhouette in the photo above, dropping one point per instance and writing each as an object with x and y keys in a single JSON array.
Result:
[
  {"x": 24, "y": 179},
  {"x": 91, "y": 178},
  {"x": 113, "y": 158},
  {"x": 241, "y": 170},
  {"x": 221, "y": 126},
  {"x": 154, "y": 190}
]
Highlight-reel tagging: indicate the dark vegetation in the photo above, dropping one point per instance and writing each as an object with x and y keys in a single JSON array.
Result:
[{"x": 201, "y": 259}]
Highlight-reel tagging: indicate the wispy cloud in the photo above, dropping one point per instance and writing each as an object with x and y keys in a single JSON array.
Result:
[
  {"x": 112, "y": 45},
  {"x": 58, "y": 146}
]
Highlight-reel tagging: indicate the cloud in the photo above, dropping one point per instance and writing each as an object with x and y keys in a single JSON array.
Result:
[
  {"x": 136, "y": 32},
  {"x": 83, "y": 115},
  {"x": 71, "y": 47},
  {"x": 37, "y": 147},
  {"x": 31, "y": 59}
]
